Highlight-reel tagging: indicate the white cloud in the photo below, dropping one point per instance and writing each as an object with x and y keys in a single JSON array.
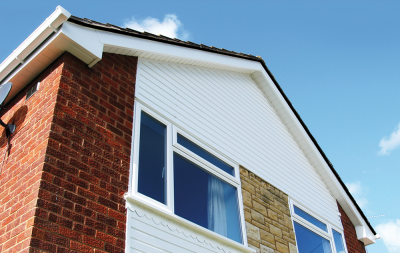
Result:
[
  {"x": 171, "y": 26},
  {"x": 388, "y": 144},
  {"x": 358, "y": 192},
  {"x": 390, "y": 234}
]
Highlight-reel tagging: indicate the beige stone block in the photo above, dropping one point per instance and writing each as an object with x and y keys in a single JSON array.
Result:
[
  {"x": 247, "y": 216},
  {"x": 259, "y": 225},
  {"x": 288, "y": 221},
  {"x": 292, "y": 235},
  {"x": 253, "y": 242},
  {"x": 275, "y": 230},
  {"x": 260, "y": 208},
  {"x": 288, "y": 239},
  {"x": 281, "y": 207},
  {"x": 282, "y": 247},
  {"x": 276, "y": 224},
  {"x": 244, "y": 172},
  {"x": 247, "y": 198},
  {"x": 267, "y": 236},
  {"x": 282, "y": 241},
  {"x": 285, "y": 197},
  {"x": 273, "y": 215},
  {"x": 248, "y": 187},
  {"x": 253, "y": 232},
  {"x": 272, "y": 246},
  {"x": 255, "y": 248},
  {"x": 267, "y": 194},
  {"x": 266, "y": 249},
  {"x": 267, "y": 220},
  {"x": 257, "y": 216},
  {"x": 292, "y": 248}
]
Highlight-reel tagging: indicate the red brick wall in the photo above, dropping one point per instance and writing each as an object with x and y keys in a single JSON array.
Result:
[
  {"x": 83, "y": 169},
  {"x": 352, "y": 243},
  {"x": 23, "y": 163}
]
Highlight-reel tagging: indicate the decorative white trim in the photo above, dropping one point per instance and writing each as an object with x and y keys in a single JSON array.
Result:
[{"x": 177, "y": 224}]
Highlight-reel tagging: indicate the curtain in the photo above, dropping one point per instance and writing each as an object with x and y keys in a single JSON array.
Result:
[
  {"x": 216, "y": 206},
  {"x": 327, "y": 246}
]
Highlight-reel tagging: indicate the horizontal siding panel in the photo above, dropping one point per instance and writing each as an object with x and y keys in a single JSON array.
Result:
[
  {"x": 266, "y": 165},
  {"x": 229, "y": 112},
  {"x": 150, "y": 232}
]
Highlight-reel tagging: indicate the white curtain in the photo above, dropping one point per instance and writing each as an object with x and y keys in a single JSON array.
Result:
[
  {"x": 216, "y": 206},
  {"x": 327, "y": 246}
]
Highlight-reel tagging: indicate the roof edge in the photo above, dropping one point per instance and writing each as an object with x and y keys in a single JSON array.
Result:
[{"x": 35, "y": 39}]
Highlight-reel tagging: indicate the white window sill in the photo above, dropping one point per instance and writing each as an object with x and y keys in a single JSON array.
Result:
[{"x": 194, "y": 228}]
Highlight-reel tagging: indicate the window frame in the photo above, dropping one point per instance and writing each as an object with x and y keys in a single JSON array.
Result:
[
  {"x": 172, "y": 129},
  {"x": 328, "y": 235}
]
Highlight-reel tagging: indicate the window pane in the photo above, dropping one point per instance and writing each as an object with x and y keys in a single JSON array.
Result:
[
  {"x": 205, "y": 155},
  {"x": 152, "y": 158},
  {"x": 309, "y": 218},
  {"x": 205, "y": 199},
  {"x": 308, "y": 241},
  {"x": 338, "y": 241}
]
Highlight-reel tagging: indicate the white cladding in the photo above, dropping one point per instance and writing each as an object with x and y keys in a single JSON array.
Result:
[{"x": 229, "y": 113}]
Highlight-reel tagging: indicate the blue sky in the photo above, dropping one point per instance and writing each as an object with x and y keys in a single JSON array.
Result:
[{"x": 337, "y": 61}]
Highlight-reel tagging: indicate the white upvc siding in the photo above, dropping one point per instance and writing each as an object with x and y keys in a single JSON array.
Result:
[{"x": 228, "y": 112}]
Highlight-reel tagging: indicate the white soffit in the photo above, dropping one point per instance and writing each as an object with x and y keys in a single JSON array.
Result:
[{"x": 47, "y": 43}]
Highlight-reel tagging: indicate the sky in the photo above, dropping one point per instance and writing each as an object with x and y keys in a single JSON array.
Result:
[{"x": 337, "y": 61}]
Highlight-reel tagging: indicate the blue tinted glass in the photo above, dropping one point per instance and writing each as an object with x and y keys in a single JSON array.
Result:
[
  {"x": 205, "y": 199},
  {"x": 152, "y": 156},
  {"x": 309, "y": 218},
  {"x": 338, "y": 241},
  {"x": 308, "y": 241},
  {"x": 205, "y": 155}
]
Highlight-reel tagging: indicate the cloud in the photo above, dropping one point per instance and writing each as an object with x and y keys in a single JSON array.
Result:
[
  {"x": 388, "y": 144},
  {"x": 390, "y": 234},
  {"x": 171, "y": 26},
  {"x": 358, "y": 192}
]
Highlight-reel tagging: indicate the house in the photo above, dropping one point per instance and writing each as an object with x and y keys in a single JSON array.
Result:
[{"x": 129, "y": 141}]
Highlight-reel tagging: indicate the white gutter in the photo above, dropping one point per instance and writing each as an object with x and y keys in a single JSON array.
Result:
[{"x": 49, "y": 26}]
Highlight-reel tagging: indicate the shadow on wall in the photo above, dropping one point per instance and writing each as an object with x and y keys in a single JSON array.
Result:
[{"x": 18, "y": 119}]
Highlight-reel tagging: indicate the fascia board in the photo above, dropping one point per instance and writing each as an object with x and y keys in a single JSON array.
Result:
[
  {"x": 366, "y": 236},
  {"x": 86, "y": 38},
  {"x": 164, "y": 49},
  {"x": 41, "y": 33},
  {"x": 89, "y": 50}
]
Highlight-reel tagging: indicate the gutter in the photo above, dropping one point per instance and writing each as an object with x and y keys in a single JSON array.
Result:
[{"x": 23, "y": 51}]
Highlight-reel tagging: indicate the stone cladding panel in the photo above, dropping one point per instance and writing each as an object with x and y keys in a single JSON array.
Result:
[{"x": 266, "y": 210}]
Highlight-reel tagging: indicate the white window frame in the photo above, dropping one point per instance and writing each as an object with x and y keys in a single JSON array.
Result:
[
  {"x": 173, "y": 146},
  {"x": 326, "y": 235}
]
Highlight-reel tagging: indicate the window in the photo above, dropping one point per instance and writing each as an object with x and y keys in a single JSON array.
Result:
[
  {"x": 314, "y": 235},
  {"x": 180, "y": 175}
]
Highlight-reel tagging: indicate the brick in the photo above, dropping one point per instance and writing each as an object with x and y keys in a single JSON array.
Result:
[
  {"x": 84, "y": 229},
  {"x": 60, "y": 220},
  {"x": 93, "y": 242},
  {"x": 106, "y": 237},
  {"x": 81, "y": 247},
  {"x": 112, "y": 249}
]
